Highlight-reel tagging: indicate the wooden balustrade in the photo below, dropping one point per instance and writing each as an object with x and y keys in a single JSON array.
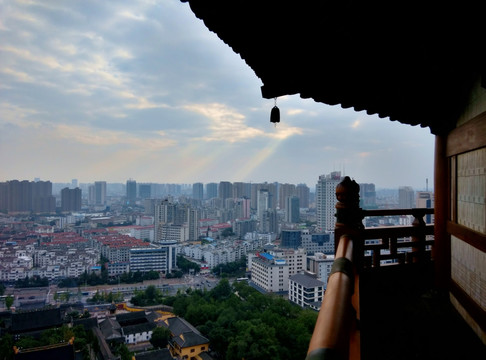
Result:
[
  {"x": 397, "y": 245},
  {"x": 335, "y": 334}
]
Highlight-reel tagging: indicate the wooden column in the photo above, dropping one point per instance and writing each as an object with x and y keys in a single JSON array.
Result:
[{"x": 441, "y": 252}]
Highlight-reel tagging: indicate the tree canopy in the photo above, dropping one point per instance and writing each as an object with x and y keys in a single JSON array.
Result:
[
  {"x": 241, "y": 323},
  {"x": 160, "y": 337},
  {"x": 187, "y": 265}
]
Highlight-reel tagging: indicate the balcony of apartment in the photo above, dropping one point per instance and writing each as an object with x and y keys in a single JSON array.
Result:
[{"x": 382, "y": 301}]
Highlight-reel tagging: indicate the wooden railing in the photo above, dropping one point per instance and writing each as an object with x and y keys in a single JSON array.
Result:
[
  {"x": 397, "y": 245},
  {"x": 334, "y": 325},
  {"x": 336, "y": 335}
]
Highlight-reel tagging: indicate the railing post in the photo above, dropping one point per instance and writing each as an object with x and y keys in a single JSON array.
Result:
[
  {"x": 418, "y": 250},
  {"x": 349, "y": 216},
  {"x": 336, "y": 336}
]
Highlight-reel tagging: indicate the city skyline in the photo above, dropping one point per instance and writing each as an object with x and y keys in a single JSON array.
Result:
[{"x": 113, "y": 91}]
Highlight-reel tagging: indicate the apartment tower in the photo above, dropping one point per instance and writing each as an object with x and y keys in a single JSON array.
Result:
[{"x": 326, "y": 200}]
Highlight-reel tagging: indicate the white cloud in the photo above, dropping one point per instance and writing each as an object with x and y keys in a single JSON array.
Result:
[
  {"x": 129, "y": 15},
  {"x": 228, "y": 125},
  {"x": 20, "y": 76}
]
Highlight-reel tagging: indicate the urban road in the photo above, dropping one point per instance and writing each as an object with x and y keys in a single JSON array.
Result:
[{"x": 28, "y": 298}]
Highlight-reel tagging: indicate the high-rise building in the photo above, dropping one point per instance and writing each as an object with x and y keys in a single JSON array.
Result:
[
  {"x": 406, "y": 197},
  {"x": 303, "y": 192},
  {"x": 74, "y": 183},
  {"x": 166, "y": 213},
  {"x": 131, "y": 192},
  {"x": 100, "y": 193},
  {"x": 42, "y": 199},
  {"x": 225, "y": 190},
  {"x": 284, "y": 191},
  {"x": 71, "y": 199},
  {"x": 241, "y": 189},
  {"x": 263, "y": 203},
  {"x": 3, "y": 196},
  {"x": 326, "y": 200},
  {"x": 242, "y": 208},
  {"x": 26, "y": 196},
  {"x": 272, "y": 192},
  {"x": 270, "y": 223},
  {"x": 367, "y": 196},
  {"x": 197, "y": 191},
  {"x": 91, "y": 195},
  {"x": 145, "y": 191},
  {"x": 211, "y": 190},
  {"x": 292, "y": 209},
  {"x": 193, "y": 223},
  {"x": 425, "y": 199},
  {"x": 243, "y": 226}
]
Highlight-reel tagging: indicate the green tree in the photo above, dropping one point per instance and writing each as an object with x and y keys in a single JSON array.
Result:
[
  {"x": 160, "y": 337},
  {"x": 123, "y": 351},
  {"x": 222, "y": 290},
  {"x": 186, "y": 265},
  {"x": 250, "y": 324},
  {"x": 27, "y": 342},
  {"x": 227, "y": 232},
  {"x": 254, "y": 340},
  {"x": 6, "y": 347},
  {"x": 9, "y": 300},
  {"x": 65, "y": 296},
  {"x": 152, "y": 293}
]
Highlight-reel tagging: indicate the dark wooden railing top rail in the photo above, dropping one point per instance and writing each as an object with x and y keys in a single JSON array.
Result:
[
  {"x": 332, "y": 331},
  {"x": 397, "y": 212}
]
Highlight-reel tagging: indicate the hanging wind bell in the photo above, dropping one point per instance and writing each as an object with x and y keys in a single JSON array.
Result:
[{"x": 275, "y": 114}]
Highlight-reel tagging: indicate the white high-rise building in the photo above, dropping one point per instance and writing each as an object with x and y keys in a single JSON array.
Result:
[{"x": 326, "y": 200}]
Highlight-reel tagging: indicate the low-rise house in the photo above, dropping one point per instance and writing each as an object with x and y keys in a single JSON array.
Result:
[
  {"x": 306, "y": 290},
  {"x": 186, "y": 342},
  {"x": 136, "y": 326}
]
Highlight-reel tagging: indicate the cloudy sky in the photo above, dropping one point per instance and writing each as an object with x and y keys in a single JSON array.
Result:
[{"x": 98, "y": 90}]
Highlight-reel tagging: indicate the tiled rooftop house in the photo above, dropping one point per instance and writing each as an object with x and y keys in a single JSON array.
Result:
[{"x": 418, "y": 63}]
